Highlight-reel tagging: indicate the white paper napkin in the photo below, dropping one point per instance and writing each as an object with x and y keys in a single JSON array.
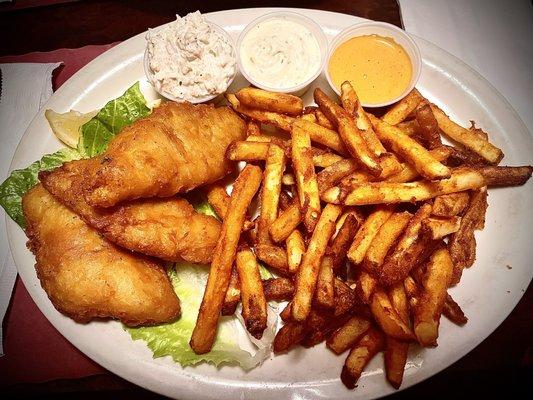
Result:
[
  {"x": 492, "y": 36},
  {"x": 25, "y": 88}
]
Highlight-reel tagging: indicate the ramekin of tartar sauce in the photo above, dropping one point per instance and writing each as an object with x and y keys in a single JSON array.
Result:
[
  {"x": 190, "y": 59},
  {"x": 282, "y": 52},
  {"x": 381, "y": 61}
]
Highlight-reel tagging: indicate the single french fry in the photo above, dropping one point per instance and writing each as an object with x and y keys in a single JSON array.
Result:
[
  {"x": 410, "y": 128},
  {"x": 285, "y": 199},
  {"x": 345, "y": 298},
  {"x": 351, "y": 136},
  {"x": 254, "y": 309},
  {"x": 274, "y": 256},
  {"x": 398, "y": 299},
  {"x": 343, "y": 240},
  {"x": 428, "y": 311},
  {"x": 450, "y": 205},
  {"x": 281, "y": 121},
  {"x": 244, "y": 189},
  {"x": 286, "y": 313},
  {"x": 437, "y": 228},
  {"x": 366, "y": 285},
  {"x": 270, "y": 101},
  {"x": 324, "y": 136},
  {"x": 410, "y": 150},
  {"x": 233, "y": 294},
  {"x": 308, "y": 272},
  {"x": 429, "y": 128},
  {"x": 388, "y": 193},
  {"x": 286, "y": 222},
  {"x": 398, "y": 112},
  {"x": 399, "y": 261},
  {"x": 360, "y": 355},
  {"x": 295, "y": 250},
  {"x": 395, "y": 359},
  {"x": 326, "y": 160},
  {"x": 462, "y": 244},
  {"x": 349, "y": 99},
  {"x": 385, "y": 238},
  {"x": 323, "y": 120},
  {"x": 325, "y": 292},
  {"x": 288, "y": 336},
  {"x": 253, "y": 128},
  {"x": 387, "y": 317},
  {"x": 323, "y": 329},
  {"x": 306, "y": 181},
  {"x": 505, "y": 176},
  {"x": 366, "y": 233},
  {"x": 473, "y": 142},
  {"x": 333, "y": 174},
  {"x": 219, "y": 199},
  {"x": 247, "y": 150},
  {"x": 348, "y": 335},
  {"x": 278, "y": 289},
  {"x": 409, "y": 173},
  {"x": 270, "y": 191},
  {"x": 453, "y": 311}
]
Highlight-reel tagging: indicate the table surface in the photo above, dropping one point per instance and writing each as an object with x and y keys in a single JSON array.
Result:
[{"x": 498, "y": 365}]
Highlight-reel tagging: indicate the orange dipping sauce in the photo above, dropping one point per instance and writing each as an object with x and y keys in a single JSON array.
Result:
[{"x": 378, "y": 68}]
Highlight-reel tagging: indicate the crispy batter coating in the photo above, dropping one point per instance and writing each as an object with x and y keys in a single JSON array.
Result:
[
  {"x": 87, "y": 277},
  {"x": 168, "y": 228},
  {"x": 175, "y": 149}
]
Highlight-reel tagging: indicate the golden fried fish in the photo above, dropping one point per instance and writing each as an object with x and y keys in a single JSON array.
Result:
[
  {"x": 168, "y": 228},
  {"x": 173, "y": 150},
  {"x": 87, "y": 277}
]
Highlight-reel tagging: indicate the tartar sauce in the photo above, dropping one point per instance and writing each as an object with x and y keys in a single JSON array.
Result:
[
  {"x": 280, "y": 53},
  {"x": 190, "y": 59}
]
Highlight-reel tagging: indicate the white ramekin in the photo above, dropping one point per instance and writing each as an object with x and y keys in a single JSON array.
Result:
[
  {"x": 150, "y": 74},
  {"x": 385, "y": 30},
  {"x": 315, "y": 30}
]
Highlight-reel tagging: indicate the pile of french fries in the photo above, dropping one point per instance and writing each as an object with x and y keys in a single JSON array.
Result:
[{"x": 366, "y": 221}]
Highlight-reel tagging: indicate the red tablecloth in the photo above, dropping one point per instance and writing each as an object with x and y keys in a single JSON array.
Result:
[{"x": 34, "y": 350}]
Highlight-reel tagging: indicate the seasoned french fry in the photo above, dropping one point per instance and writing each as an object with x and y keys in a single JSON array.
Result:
[
  {"x": 453, "y": 311},
  {"x": 360, "y": 355},
  {"x": 270, "y": 191},
  {"x": 398, "y": 112},
  {"x": 244, "y": 189},
  {"x": 450, "y": 205},
  {"x": 295, "y": 250},
  {"x": 429, "y": 128},
  {"x": 366, "y": 284},
  {"x": 278, "y": 120},
  {"x": 437, "y": 228},
  {"x": 349, "y": 99},
  {"x": 462, "y": 244},
  {"x": 398, "y": 299},
  {"x": 305, "y": 177},
  {"x": 350, "y": 134},
  {"x": 505, "y": 176},
  {"x": 410, "y": 128},
  {"x": 308, "y": 272},
  {"x": 366, "y": 233},
  {"x": 321, "y": 329},
  {"x": 233, "y": 294},
  {"x": 274, "y": 256},
  {"x": 270, "y": 101},
  {"x": 254, "y": 309},
  {"x": 387, "y": 193},
  {"x": 285, "y": 200},
  {"x": 278, "y": 289},
  {"x": 333, "y": 174},
  {"x": 385, "y": 238},
  {"x": 286, "y": 222},
  {"x": 345, "y": 298},
  {"x": 464, "y": 136},
  {"x": 288, "y": 336},
  {"x": 409, "y": 173},
  {"x": 400, "y": 260},
  {"x": 247, "y": 150},
  {"x": 326, "y": 160},
  {"x": 253, "y": 128},
  {"x": 395, "y": 360},
  {"x": 410, "y": 150},
  {"x": 323, "y": 120},
  {"x": 325, "y": 292},
  {"x": 324, "y": 136},
  {"x": 387, "y": 317},
  {"x": 219, "y": 199},
  {"x": 343, "y": 239},
  {"x": 348, "y": 335},
  {"x": 286, "y": 313},
  {"x": 429, "y": 308},
  {"x": 309, "y": 117}
]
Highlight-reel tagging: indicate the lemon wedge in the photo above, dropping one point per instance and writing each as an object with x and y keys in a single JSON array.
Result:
[{"x": 66, "y": 126}]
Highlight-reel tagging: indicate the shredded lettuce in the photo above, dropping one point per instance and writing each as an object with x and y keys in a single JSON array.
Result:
[{"x": 94, "y": 138}]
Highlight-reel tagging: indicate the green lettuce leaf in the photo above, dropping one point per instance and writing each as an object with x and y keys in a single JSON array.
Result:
[
  {"x": 21, "y": 180},
  {"x": 94, "y": 138},
  {"x": 118, "y": 113}
]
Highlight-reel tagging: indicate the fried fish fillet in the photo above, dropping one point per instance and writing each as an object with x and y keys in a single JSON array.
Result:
[
  {"x": 87, "y": 277},
  {"x": 173, "y": 150},
  {"x": 168, "y": 228}
]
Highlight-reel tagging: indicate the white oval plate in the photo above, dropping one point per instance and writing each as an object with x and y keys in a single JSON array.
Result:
[{"x": 488, "y": 291}]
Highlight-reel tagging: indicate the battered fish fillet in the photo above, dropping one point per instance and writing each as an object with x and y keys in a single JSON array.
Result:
[
  {"x": 87, "y": 277},
  {"x": 168, "y": 228},
  {"x": 175, "y": 149}
]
